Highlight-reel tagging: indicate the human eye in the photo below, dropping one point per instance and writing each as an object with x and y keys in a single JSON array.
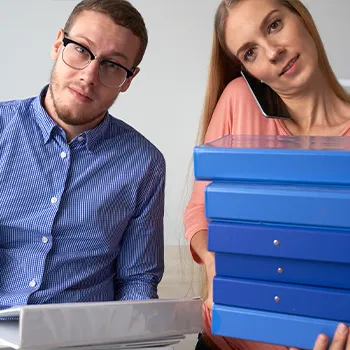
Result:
[
  {"x": 110, "y": 65},
  {"x": 80, "y": 49},
  {"x": 249, "y": 55},
  {"x": 275, "y": 25}
]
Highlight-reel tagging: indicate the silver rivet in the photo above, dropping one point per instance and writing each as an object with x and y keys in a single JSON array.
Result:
[
  {"x": 280, "y": 270},
  {"x": 277, "y": 299},
  {"x": 276, "y": 242}
]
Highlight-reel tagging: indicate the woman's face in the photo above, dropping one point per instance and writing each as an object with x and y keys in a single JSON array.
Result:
[{"x": 273, "y": 44}]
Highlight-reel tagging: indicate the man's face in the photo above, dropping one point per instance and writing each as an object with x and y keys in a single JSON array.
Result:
[{"x": 79, "y": 97}]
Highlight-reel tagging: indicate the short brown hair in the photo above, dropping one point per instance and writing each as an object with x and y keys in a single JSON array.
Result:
[{"x": 121, "y": 12}]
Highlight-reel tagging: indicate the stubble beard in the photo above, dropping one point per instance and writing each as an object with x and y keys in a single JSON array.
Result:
[{"x": 62, "y": 111}]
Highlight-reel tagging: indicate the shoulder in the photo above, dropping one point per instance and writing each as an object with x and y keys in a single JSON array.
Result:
[
  {"x": 15, "y": 105},
  {"x": 14, "y": 108},
  {"x": 244, "y": 115},
  {"x": 137, "y": 144},
  {"x": 236, "y": 101},
  {"x": 238, "y": 90}
]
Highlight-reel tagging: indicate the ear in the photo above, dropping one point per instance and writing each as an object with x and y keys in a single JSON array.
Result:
[
  {"x": 55, "y": 50},
  {"x": 128, "y": 81}
]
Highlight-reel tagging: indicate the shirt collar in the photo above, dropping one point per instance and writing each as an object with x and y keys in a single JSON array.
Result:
[
  {"x": 98, "y": 134},
  {"x": 48, "y": 125},
  {"x": 44, "y": 121}
]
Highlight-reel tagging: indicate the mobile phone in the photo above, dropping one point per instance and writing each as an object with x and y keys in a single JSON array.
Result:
[{"x": 268, "y": 101}]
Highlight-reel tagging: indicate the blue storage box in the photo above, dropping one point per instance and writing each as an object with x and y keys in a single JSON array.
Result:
[
  {"x": 307, "y": 272},
  {"x": 279, "y": 227},
  {"x": 284, "y": 241},
  {"x": 300, "y": 159},
  {"x": 286, "y": 204},
  {"x": 281, "y": 253},
  {"x": 269, "y": 327},
  {"x": 326, "y": 303}
]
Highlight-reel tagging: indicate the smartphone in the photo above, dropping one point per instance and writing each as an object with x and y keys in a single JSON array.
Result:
[{"x": 270, "y": 104}]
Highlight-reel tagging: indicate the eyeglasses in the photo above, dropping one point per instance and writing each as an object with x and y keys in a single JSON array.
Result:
[{"x": 77, "y": 56}]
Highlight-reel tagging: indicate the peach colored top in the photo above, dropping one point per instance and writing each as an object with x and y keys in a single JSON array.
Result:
[{"x": 236, "y": 113}]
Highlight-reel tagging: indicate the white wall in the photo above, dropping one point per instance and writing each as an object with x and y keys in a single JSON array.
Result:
[
  {"x": 165, "y": 100},
  {"x": 332, "y": 20}
]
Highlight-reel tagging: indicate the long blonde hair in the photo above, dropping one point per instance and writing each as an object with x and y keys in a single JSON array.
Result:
[{"x": 224, "y": 67}]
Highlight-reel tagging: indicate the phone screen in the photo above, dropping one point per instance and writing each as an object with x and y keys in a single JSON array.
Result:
[{"x": 270, "y": 104}]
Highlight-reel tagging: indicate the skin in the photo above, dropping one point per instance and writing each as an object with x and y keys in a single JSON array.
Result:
[
  {"x": 77, "y": 100},
  {"x": 270, "y": 36}
]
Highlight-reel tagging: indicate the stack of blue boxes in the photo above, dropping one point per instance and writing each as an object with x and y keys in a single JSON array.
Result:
[{"x": 279, "y": 212}]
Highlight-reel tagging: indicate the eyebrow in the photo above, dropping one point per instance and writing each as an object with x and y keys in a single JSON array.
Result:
[
  {"x": 262, "y": 25},
  {"x": 114, "y": 53}
]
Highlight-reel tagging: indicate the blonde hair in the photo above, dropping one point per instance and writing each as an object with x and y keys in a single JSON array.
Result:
[{"x": 224, "y": 66}]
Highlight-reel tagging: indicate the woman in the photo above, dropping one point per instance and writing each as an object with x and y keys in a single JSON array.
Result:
[{"x": 277, "y": 42}]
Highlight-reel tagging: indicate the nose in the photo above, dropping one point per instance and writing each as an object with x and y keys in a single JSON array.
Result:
[
  {"x": 275, "y": 53},
  {"x": 90, "y": 74}
]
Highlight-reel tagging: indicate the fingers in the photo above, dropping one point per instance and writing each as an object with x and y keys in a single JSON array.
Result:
[
  {"x": 321, "y": 342},
  {"x": 340, "y": 337},
  {"x": 339, "y": 341}
]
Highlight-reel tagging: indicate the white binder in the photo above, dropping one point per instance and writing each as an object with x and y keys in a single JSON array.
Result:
[{"x": 101, "y": 325}]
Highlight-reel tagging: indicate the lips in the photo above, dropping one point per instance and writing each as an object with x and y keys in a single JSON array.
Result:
[
  {"x": 81, "y": 93},
  {"x": 289, "y": 65}
]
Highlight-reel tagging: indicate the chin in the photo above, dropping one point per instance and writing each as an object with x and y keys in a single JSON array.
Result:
[
  {"x": 297, "y": 85},
  {"x": 305, "y": 82}
]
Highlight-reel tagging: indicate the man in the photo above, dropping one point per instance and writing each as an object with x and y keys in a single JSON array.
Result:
[{"x": 82, "y": 193}]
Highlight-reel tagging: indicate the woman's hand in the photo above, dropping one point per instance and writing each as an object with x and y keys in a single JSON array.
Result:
[{"x": 341, "y": 340}]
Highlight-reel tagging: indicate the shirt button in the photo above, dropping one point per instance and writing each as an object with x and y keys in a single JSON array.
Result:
[
  {"x": 44, "y": 239},
  {"x": 80, "y": 138},
  {"x": 63, "y": 155},
  {"x": 54, "y": 200},
  {"x": 32, "y": 283}
]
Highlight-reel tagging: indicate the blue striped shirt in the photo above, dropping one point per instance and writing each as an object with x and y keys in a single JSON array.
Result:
[{"x": 79, "y": 221}]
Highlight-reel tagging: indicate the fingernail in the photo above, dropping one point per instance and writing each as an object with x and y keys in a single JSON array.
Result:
[
  {"x": 322, "y": 339},
  {"x": 342, "y": 328}
]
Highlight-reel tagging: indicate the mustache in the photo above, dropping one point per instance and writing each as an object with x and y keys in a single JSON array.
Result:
[{"x": 88, "y": 91}]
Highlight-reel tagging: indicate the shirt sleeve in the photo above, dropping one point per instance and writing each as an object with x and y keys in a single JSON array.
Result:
[
  {"x": 140, "y": 264},
  {"x": 220, "y": 125}
]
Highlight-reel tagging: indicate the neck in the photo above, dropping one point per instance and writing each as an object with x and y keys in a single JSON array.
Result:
[{"x": 316, "y": 110}]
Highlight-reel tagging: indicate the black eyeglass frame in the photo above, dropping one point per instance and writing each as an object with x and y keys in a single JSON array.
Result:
[{"x": 66, "y": 41}]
